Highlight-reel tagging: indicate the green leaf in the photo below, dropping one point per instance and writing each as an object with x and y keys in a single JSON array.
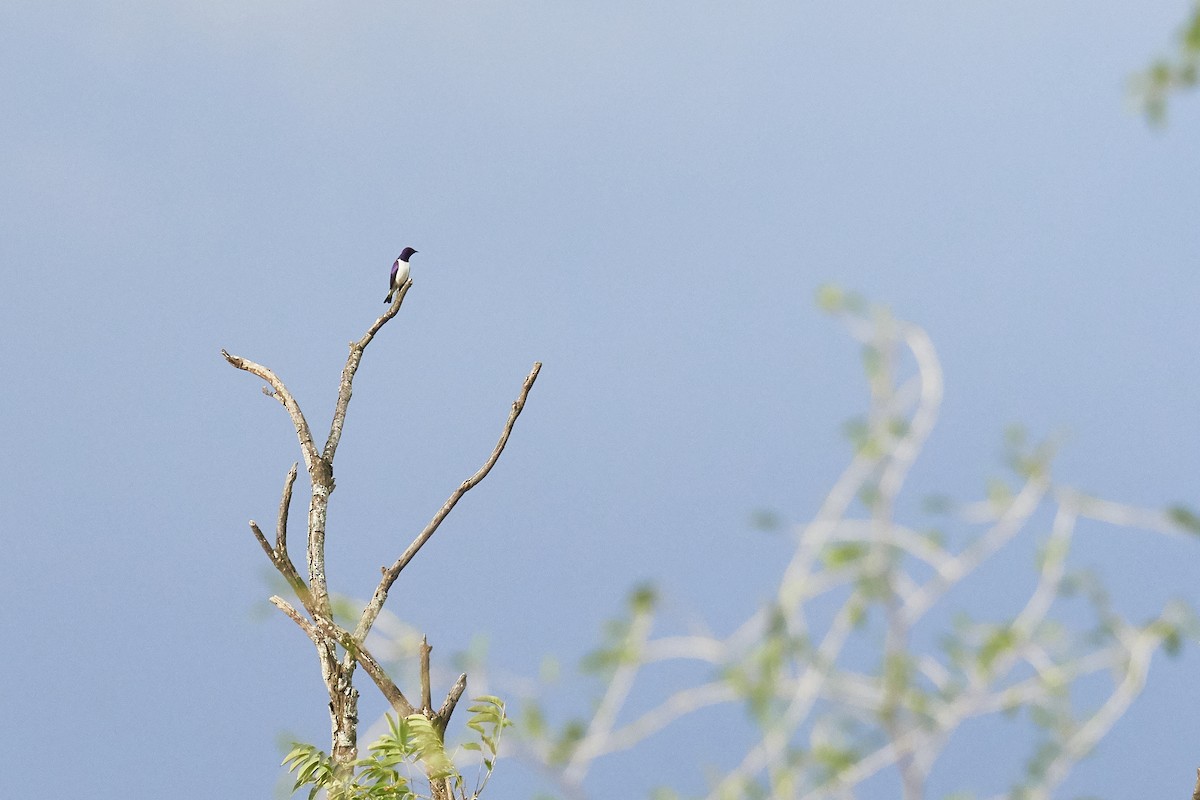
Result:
[
  {"x": 569, "y": 739},
  {"x": 844, "y": 554},
  {"x": 430, "y": 749},
  {"x": 998, "y": 642},
  {"x": 897, "y": 427},
  {"x": 644, "y": 599},
  {"x": 533, "y": 721},
  {"x": 307, "y": 772},
  {"x": 934, "y": 536},
  {"x": 835, "y": 759},
  {"x": 302, "y": 752},
  {"x": 830, "y": 299},
  {"x": 999, "y": 493},
  {"x": 869, "y": 495},
  {"x": 1185, "y": 518},
  {"x": 766, "y": 520},
  {"x": 897, "y": 672},
  {"x": 873, "y": 361}
]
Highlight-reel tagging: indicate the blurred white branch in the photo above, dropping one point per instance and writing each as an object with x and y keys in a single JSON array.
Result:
[{"x": 827, "y": 719}]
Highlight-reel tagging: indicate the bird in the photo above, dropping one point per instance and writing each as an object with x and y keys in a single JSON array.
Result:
[{"x": 399, "y": 273}]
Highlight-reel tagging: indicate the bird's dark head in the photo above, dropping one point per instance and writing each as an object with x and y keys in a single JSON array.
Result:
[{"x": 407, "y": 254}]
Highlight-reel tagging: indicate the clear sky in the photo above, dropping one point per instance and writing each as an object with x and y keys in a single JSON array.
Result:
[{"x": 642, "y": 195}]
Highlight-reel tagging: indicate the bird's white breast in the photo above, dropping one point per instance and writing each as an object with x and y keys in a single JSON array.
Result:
[{"x": 401, "y": 273}]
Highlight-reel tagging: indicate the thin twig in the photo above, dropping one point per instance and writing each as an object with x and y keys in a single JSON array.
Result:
[
  {"x": 298, "y": 618},
  {"x": 1011, "y": 522},
  {"x": 262, "y": 540},
  {"x": 442, "y": 718},
  {"x": 685, "y": 701},
  {"x": 286, "y": 568},
  {"x": 615, "y": 695},
  {"x": 426, "y": 691},
  {"x": 372, "y": 609},
  {"x": 320, "y": 473},
  {"x": 311, "y": 456},
  {"x": 346, "y": 388},
  {"x": 284, "y": 503}
]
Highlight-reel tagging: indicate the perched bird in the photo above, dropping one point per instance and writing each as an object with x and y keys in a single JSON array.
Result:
[{"x": 399, "y": 273}]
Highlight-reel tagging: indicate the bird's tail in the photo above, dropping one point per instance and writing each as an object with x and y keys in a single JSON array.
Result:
[{"x": 388, "y": 299}]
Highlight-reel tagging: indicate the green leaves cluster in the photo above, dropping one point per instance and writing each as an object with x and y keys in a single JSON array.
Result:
[
  {"x": 1166, "y": 75},
  {"x": 411, "y": 742},
  {"x": 488, "y": 720}
]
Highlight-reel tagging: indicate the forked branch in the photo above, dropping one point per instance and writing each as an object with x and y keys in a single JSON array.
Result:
[{"x": 313, "y": 593}]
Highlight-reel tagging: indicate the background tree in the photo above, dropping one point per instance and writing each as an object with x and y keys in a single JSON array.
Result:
[
  {"x": 1154, "y": 87},
  {"x": 865, "y": 662},
  {"x": 418, "y": 732}
]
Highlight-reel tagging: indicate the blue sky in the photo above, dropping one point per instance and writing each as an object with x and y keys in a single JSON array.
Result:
[{"x": 644, "y": 196}]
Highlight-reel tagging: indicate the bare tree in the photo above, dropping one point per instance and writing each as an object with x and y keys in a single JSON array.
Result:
[
  {"x": 853, "y": 668},
  {"x": 339, "y": 650}
]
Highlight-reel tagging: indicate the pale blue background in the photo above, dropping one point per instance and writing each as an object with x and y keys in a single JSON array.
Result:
[{"x": 642, "y": 195}]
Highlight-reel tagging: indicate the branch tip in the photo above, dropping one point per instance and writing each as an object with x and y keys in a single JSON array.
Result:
[
  {"x": 447, "y": 709},
  {"x": 426, "y": 693},
  {"x": 263, "y": 543},
  {"x": 372, "y": 609}
]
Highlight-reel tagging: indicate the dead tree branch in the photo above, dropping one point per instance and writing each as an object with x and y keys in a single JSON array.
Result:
[
  {"x": 346, "y": 388},
  {"x": 284, "y": 504},
  {"x": 313, "y": 594},
  {"x": 298, "y": 618},
  {"x": 426, "y": 692},
  {"x": 371, "y": 612},
  {"x": 442, "y": 717},
  {"x": 281, "y": 393}
]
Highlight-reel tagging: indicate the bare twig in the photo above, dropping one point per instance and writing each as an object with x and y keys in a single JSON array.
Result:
[
  {"x": 1011, "y": 522},
  {"x": 426, "y": 691},
  {"x": 262, "y": 540},
  {"x": 298, "y": 618},
  {"x": 311, "y": 456},
  {"x": 320, "y": 473},
  {"x": 286, "y": 568},
  {"x": 684, "y": 701},
  {"x": 284, "y": 503},
  {"x": 278, "y": 554},
  {"x": 372, "y": 609},
  {"x": 346, "y": 388},
  {"x": 386, "y": 685},
  {"x": 615, "y": 695},
  {"x": 442, "y": 718}
]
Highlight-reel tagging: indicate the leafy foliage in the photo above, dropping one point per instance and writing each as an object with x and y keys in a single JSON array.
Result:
[
  {"x": 1153, "y": 87},
  {"x": 411, "y": 744}
]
